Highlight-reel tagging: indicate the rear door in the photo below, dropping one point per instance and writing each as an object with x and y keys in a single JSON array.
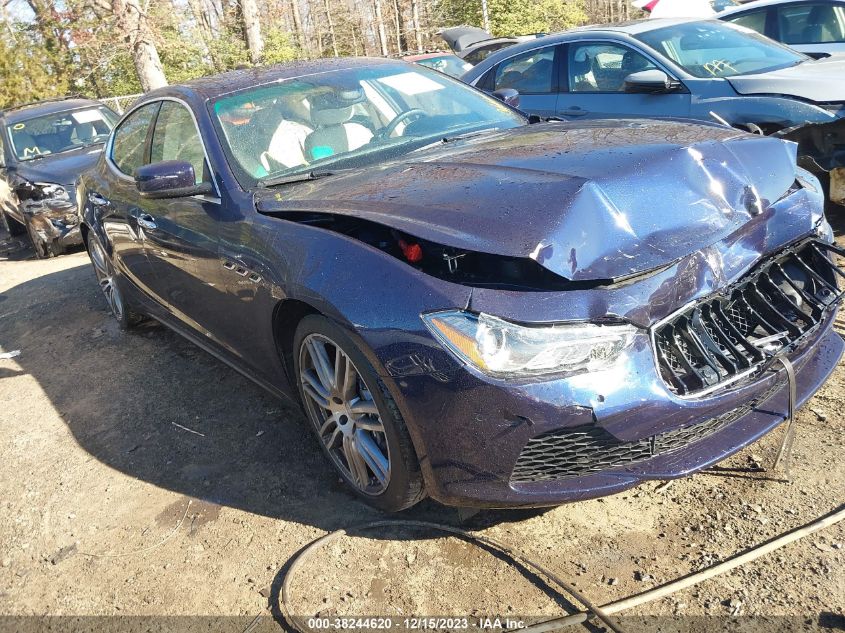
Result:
[
  {"x": 534, "y": 74},
  {"x": 593, "y": 85}
]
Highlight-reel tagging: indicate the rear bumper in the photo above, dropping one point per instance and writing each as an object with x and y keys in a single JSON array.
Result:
[{"x": 469, "y": 461}]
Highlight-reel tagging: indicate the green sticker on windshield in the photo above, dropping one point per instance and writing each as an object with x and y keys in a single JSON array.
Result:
[{"x": 18, "y": 126}]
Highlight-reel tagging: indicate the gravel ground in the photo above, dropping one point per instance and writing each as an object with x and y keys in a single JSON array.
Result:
[{"x": 140, "y": 476}]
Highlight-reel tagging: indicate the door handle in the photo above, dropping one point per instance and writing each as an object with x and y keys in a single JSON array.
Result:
[
  {"x": 576, "y": 111},
  {"x": 97, "y": 199},
  {"x": 147, "y": 221}
]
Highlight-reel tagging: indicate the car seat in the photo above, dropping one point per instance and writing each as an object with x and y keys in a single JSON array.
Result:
[
  {"x": 334, "y": 131},
  {"x": 580, "y": 71},
  {"x": 818, "y": 29}
]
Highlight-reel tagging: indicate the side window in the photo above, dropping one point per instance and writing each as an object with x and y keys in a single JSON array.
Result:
[
  {"x": 130, "y": 138},
  {"x": 176, "y": 138},
  {"x": 529, "y": 73},
  {"x": 603, "y": 67},
  {"x": 812, "y": 23},
  {"x": 755, "y": 20}
]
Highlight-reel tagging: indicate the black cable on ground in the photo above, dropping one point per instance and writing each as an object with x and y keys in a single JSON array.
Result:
[{"x": 305, "y": 554}]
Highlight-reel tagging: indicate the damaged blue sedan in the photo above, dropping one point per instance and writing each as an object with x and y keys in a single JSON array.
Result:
[{"x": 469, "y": 304}]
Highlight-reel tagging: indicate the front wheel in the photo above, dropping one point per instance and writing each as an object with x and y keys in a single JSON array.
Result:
[
  {"x": 15, "y": 227},
  {"x": 108, "y": 280},
  {"x": 356, "y": 420},
  {"x": 44, "y": 249}
]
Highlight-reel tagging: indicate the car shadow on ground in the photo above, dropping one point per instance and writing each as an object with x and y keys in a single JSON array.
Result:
[{"x": 157, "y": 408}]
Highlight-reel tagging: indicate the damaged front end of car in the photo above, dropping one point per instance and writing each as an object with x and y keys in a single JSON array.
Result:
[
  {"x": 50, "y": 215},
  {"x": 568, "y": 328}
]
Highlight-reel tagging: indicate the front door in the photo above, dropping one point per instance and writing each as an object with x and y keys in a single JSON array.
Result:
[
  {"x": 181, "y": 235},
  {"x": 114, "y": 197},
  {"x": 595, "y": 75}
]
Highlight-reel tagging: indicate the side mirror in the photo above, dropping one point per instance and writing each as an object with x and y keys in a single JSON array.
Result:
[
  {"x": 169, "y": 179},
  {"x": 509, "y": 96},
  {"x": 651, "y": 82}
]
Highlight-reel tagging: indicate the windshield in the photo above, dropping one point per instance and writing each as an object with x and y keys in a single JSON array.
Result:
[
  {"x": 60, "y": 132},
  {"x": 348, "y": 119},
  {"x": 451, "y": 65},
  {"x": 715, "y": 49}
]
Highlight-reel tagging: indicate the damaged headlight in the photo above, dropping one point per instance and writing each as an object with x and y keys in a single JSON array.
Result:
[
  {"x": 38, "y": 191},
  {"x": 51, "y": 191},
  {"x": 508, "y": 350}
]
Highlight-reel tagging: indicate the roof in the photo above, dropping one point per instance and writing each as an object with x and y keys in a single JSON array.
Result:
[
  {"x": 236, "y": 80},
  {"x": 48, "y": 106},
  {"x": 422, "y": 56},
  {"x": 758, "y": 4},
  {"x": 635, "y": 27}
]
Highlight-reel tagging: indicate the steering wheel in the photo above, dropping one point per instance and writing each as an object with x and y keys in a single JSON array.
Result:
[{"x": 390, "y": 128}]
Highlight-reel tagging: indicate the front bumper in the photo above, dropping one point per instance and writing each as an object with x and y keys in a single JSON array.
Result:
[
  {"x": 55, "y": 222},
  {"x": 472, "y": 432}
]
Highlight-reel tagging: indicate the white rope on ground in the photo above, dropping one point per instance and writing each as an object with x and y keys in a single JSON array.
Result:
[{"x": 695, "y": 578}]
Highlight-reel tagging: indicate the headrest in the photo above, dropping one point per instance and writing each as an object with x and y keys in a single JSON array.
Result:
[{"x": 331, "y": 116}]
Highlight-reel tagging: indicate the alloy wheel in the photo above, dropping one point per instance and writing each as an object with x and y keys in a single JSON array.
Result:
[
  {"x": 341, "y": 406},
  {"x": 105, "y": 277}
]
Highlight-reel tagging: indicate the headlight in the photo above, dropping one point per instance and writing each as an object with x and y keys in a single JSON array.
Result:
[
  {"x": 509, "y": 350},
  {"x": 38, "y": 191},
  {"x": 51, "y": 191}
]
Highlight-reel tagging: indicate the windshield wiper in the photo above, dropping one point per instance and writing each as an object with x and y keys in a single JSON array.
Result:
[
  {"x": 460, "y": 137},
  {"x": 291, "y": 178}
]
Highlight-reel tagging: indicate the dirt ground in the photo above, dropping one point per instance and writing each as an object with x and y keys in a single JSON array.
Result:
[{"x": 140, "y": 476}]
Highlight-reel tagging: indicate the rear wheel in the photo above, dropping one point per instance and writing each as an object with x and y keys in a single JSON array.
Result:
[
  {"x": 356, "y": 420},
  {"x": 108, "y": 280}
]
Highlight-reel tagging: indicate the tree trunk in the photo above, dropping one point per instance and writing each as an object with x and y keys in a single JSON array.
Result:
[
  {"x": 415, "y": 15},
  {"x": 132, "y": 21},
  {"x": 401, "y": 41},
  {"x": 252, "y": 30},
  {"x": 148, "y": 65},
  {"x": 382, "y": 34},
  {"x": 330, "y": 22},
  {"x": 297, "y": 25}
]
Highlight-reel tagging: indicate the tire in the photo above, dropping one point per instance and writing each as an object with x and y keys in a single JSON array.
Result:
[
  {"x": 43, "y": 249},
  {"x": 15, "y": 227},
  {"x": 357, "y": 418},
  {"x": 109, "y": 281}
]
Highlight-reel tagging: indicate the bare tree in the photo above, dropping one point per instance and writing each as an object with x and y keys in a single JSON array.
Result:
[
  {"x": 330, "y": 22},
  {"x": 297, "y": 25},
  {"x": 382, "y": 33},
  {"x": 252, "y": 30},
  {"x": 415, "y": 16}
]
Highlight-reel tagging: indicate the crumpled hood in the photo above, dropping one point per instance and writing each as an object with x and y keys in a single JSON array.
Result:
[
  {"x": 62, "y": 169},
  {"x": 822, "y": 81},
  {"x": 592, "y": 201}
]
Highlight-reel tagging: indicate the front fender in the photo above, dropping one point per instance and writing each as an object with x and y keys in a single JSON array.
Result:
[{"x": 770, "y": 112}]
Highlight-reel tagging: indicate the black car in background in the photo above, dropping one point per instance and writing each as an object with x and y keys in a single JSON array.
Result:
[{"x": 44, "y": 147}]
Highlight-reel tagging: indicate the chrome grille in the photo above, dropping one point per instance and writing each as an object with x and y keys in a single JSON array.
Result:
[{"x": 774, "y": 308}]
